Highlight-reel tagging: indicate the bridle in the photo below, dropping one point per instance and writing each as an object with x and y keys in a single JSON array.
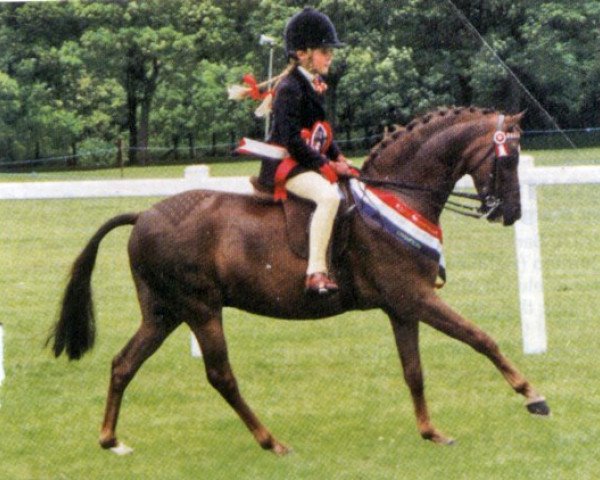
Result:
[{"x": 492, "y": 201}]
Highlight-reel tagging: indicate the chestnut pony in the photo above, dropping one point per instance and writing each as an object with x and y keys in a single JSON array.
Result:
[{"x": 197, "y": 252}]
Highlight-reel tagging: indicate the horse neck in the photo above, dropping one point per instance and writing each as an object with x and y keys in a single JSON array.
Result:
[{"x": 430, "y": 159}]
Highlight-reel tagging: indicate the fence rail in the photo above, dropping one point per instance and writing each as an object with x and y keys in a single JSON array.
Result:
[{"x": 195, "y": 177}]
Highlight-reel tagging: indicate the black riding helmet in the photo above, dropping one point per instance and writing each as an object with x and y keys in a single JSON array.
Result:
[{"x": 310, "y": 29}]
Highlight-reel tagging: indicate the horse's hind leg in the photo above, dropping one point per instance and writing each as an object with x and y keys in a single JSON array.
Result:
[
  {"x": 156, "y": 326},
  {"x": 210, "y": 335},
  {"x": 440, "y": 316},
  {"x": 406, "y": 333}
]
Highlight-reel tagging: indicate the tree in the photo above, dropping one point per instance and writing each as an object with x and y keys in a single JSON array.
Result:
[
  {"x": 10, "y": 107},
  {"x": 541, "y": 49},
  {"x": 85, "y": 72},
  {"x": 45, "y": 120},
  {"x": 153, "y": 36}
]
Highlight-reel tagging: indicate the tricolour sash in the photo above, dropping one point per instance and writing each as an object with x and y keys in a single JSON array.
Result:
[{"x": 402, "y": 222}]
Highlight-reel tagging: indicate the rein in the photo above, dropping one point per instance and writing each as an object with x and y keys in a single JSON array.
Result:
[{"x": 452, "y": 206}]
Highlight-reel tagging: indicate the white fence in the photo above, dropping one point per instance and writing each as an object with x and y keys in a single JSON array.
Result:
[
  {"x": 196, "y": 176},
  {"x": 2, "y": 374},
  {"x": 527, "y": 243},
  {"x": 526, "y": 230}
]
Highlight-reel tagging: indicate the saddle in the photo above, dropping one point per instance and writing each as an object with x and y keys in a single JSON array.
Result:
[{"x": 298, "y": 213}]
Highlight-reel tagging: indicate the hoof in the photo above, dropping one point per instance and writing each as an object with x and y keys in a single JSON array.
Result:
[
  {"x": 281, "y": 450},
  {"x": 438, "y": 438},
  {"x": 269, "y": 443},
  {"x": 539, "y": 407},
  {"x": 121, "y": 449},
  {"x": 444, "y": 441}
]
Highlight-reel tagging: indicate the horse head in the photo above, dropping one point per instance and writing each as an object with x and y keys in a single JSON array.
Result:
[
  {"x": 434, "y": 151},
  {"x": 492, "y": 161}
]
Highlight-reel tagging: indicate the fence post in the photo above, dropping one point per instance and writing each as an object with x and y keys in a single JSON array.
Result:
[
  {"x": 120, "y": 155},
  {"x": 2, "y": 375},
  {"x": 529, "y": 266}
]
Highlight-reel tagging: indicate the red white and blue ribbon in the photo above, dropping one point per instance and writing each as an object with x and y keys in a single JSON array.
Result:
[
  {"x": 402, "y": 222},
  {"x": 319, "y": 85}
]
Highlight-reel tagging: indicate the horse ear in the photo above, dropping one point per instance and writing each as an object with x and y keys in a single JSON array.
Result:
[
  {"x": 518, "y": 117},
  {"x": 514, "y": 120}
]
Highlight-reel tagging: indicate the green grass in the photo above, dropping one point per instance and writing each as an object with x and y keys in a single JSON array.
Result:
[
  {"x": 332, "y": 389},
  {"x": 567, "y": 156}
]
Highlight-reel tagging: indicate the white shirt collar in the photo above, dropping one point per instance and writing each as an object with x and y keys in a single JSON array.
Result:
[{"x": 309, "y": 76}]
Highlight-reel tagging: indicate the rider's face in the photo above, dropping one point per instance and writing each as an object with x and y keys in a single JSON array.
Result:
[{"x": 316, "y": 60}]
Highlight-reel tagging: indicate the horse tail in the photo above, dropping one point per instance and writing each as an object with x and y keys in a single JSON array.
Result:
[{"x": 75, "y": 329}]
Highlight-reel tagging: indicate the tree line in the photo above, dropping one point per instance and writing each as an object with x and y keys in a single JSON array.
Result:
[{"x": 82, "y": 75}]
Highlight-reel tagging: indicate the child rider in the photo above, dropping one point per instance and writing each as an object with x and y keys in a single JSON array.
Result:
[{"x": 299, "y": 125}]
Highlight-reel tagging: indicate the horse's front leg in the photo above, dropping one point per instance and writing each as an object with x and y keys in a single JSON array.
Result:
[
  {"x": 406, "y": 333},
  {"x": 440, "y": 316}
]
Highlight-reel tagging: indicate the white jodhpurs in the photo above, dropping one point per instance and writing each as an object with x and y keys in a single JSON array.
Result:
[{"x": 312, "y": 186}]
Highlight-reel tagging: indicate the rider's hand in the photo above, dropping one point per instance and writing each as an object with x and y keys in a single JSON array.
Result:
[
  {"x": 341, "y": 168},
  {"x": 341, "y": 158}
]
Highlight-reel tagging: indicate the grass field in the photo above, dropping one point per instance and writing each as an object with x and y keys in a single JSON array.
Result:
[{"x": 332, "y": 389}]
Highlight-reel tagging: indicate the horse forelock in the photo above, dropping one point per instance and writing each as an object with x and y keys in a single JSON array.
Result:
[{"x": 408, "y": 138}]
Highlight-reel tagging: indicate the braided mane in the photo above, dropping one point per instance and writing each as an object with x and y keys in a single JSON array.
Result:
[{"x": 416, "y": 124}]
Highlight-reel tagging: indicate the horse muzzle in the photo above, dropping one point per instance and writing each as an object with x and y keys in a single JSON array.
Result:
[
  {"x": 496, "y": 210},
  {"x": 510, "y": 214},
  {"x": 511, "y": 206}
]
